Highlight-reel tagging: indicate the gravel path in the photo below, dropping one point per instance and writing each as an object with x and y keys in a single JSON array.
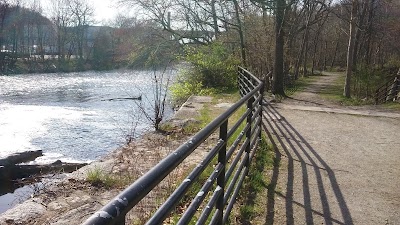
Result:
[{"x": 335, "y": 167}]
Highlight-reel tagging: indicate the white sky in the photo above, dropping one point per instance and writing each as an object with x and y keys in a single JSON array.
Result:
[{"x": 104, "y": 9}]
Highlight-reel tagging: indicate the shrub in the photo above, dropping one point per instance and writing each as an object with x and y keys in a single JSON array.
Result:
[{"x": 212, "y": 69}]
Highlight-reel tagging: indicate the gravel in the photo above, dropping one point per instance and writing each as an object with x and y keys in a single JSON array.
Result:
[{"x": 335, "y": 167}]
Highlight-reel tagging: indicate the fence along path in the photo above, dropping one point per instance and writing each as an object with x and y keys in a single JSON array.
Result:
[{"x": 232, "y": 158}]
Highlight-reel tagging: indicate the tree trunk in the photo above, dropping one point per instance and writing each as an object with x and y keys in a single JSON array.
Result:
[
  {"x": 241, "y": 35},
  {"x": 277, "y": 87},
  {"x": 350, "y": 50},
  {"x": 303, "y": 52},
  {"x": 325, "y": 55},
  {"x": 358, "y": 33},
  {"x": 215, "y": 19},
  {"x": 335, "y": 53},
  {"x": 369, "y": 31}
]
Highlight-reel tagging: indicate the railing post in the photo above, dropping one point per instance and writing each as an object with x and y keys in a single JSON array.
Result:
[
  {"x": 120, "y": 221},
  {"x": 261, "y": 105},
  {"x": 248, "y": 133},
  {"x": 223, "y": 135}
]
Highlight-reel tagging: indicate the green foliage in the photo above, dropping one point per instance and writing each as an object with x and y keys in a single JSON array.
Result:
[
  {"x": 213, "y": 65},
  {"x": 212, "y": 70},
  {"x": 185, "y": 86}
]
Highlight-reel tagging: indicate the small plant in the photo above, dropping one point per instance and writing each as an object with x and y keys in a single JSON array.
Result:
[{"x": 99, "y": 178}]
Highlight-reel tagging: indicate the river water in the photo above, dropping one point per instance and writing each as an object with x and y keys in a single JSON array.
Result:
[{"x": 71, "y": 116}]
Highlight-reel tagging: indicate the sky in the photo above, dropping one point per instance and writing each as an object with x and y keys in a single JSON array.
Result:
[{"x": 104, "y": 9}]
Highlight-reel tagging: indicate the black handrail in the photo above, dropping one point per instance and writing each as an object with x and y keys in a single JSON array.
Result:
[{"x": 227, "y": 186}]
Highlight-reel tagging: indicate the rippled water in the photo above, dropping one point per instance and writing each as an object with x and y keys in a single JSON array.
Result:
[{"x": 69, "y": 116}]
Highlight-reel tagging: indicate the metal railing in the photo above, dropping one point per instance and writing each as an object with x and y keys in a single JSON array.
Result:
[
  {"x": 230, "y": 166},
  {"x": 388, "y": 91}
]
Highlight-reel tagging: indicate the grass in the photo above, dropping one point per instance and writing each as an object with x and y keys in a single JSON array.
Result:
[
  {"x": 99, "y": 178},
  {"x": 335, "y": 93},
  {"x": 202, "y": 120},
  {"x": 256, "y": 184},
  {"x": 392, "y": 106}
]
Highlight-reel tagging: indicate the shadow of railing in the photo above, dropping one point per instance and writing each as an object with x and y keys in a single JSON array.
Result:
[{"x": 302, "y": 160}]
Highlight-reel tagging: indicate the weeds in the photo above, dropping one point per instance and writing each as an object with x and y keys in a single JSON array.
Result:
[
  {"x": 256, "y": 183},
  {"x": 99, "y": 178}
]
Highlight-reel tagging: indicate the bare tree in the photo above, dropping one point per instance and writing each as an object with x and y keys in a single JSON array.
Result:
[
  {"x": 350, "y": 51},
  {"x": 61, "y": 17},
  {"x": 82, "y": 16},
  {"x": 161, "y": 81}
]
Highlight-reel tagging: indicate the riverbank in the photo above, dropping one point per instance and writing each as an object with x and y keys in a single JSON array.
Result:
[{"x": 81, "y": 193}]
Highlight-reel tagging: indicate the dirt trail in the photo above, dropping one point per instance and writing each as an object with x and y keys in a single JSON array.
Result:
[
  {"x": 310, "y": 96},
  {"x": 335, "y": 167}
]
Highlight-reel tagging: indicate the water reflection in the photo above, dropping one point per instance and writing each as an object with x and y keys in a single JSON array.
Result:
[{"x": 66, "y": 114}]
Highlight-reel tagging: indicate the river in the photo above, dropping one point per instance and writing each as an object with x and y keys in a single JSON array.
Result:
[{"x": 72, "y": 116}]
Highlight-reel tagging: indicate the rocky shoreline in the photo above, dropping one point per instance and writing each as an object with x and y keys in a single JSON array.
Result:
[
  {"x": 12, "y": 169},
  {"x": 74, "y": 198}
]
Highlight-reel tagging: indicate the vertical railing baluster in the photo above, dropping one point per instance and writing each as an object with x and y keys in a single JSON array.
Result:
[
  {"x": 248, "y": 133},
  {"x": 261, "y": 105},
  {"x": 223, "y": 135},
  {"x": 121, "y": 220}
]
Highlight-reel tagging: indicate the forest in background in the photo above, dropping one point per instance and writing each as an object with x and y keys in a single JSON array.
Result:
[
  {"x": 68, "y": 39},
  {"x": 291, "y": 38}
]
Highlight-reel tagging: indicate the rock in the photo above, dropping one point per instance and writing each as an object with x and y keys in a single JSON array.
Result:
[
  {"x": 13, "y": 172},
  {"x": 22, "y": 213},
  {"x": 224, "y": 105},
  {"x": 20, "y": 157}
]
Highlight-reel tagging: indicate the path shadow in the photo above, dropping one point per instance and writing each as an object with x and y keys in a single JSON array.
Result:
[{"x": 302, "y": 160}]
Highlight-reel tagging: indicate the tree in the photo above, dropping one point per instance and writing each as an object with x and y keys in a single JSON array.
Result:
[
  {"x": 4, "y": 9},
  {"x": 103, "y": 49},
  {"x": 61, "y": 17},
  {"x": 82, "y": 16},
  {"x": 351, "y": 48},
  {"x": 278, "y": 86},
  {"x": 161, "y": 81}
]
